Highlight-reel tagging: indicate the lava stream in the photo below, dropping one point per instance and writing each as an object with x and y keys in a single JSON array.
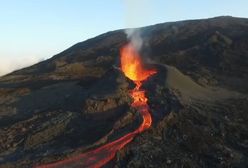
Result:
[{"x": 132, "y": 67}]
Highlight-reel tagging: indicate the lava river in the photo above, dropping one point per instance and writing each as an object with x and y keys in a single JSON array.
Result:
[{"x": 132, "y": 67}]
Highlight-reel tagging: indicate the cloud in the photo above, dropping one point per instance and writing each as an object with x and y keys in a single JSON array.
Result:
[{"x": 11, "y": 64}]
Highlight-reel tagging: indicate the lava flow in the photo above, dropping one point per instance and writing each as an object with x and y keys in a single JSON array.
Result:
[{"x": 133, "y": 68}]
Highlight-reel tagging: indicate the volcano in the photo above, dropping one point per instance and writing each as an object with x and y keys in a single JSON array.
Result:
[{"x": 180, "y": 101}]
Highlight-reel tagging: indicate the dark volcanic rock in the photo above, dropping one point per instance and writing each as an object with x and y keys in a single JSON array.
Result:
[{"x": 78, "y": 100}]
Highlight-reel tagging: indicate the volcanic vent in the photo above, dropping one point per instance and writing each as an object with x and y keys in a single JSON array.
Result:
[{"x": 133, "y": 68}]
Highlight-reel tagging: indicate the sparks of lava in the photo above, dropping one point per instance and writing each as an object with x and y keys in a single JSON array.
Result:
[{"x": 132, "y": 67}]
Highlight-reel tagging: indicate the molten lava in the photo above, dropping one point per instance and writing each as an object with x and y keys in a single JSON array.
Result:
[{"x": 133, "y": 68}]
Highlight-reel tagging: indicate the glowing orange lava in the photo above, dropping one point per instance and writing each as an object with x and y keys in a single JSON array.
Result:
[{"x": 133, "y": 68}]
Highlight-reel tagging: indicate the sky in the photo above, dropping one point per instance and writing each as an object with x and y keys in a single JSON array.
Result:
[{"x": 34, "y": 30}]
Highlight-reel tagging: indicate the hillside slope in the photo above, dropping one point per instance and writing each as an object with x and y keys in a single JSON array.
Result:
[{"x": 78, "y": 99}]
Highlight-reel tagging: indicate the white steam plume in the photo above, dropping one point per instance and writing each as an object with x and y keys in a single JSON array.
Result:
[
  {"x": 137, "y": 12},
  {"x": 135, "y": 38}
]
